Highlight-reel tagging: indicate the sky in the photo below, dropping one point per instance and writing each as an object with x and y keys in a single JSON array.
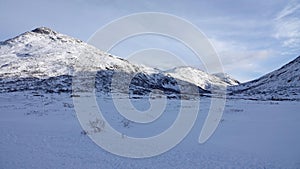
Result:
[{"x": 251, "y": 37}]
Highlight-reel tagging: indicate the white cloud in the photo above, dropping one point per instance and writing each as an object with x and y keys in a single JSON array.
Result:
[{"x": 238, "y": 59}]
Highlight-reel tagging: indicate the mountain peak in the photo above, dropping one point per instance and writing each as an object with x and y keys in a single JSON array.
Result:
[
  {"x": 44, "y": 30},
  {"x": 40, "y": 36}
]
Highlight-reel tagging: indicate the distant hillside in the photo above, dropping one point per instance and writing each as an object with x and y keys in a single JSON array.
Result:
[{"x": 281, "y": 84}]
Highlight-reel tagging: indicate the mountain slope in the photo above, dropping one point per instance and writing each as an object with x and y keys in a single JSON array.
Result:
[
  {"x": 44, "y": 53},
  {"x": 281, "y": 84}
]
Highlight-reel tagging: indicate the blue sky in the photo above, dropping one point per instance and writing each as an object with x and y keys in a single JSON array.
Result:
[{"x": 251, "y": 37}]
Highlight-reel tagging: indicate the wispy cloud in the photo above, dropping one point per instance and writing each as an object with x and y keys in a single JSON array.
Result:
[
  {"x": 288, "y": 10},
  {"x": 287, "y": 27}
]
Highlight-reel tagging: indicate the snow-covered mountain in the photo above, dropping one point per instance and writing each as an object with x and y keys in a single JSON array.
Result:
[
  {"x": 227, "y": 79},
  {"x": 200, "y": 78},
  {"x": 281, "y": 84},
  {"x": 43, "y": 59}
]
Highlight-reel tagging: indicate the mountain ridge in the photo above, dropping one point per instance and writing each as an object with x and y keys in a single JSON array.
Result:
[
  {"x": 42, "y": 55},
  {"x": 43, "y": 59}
]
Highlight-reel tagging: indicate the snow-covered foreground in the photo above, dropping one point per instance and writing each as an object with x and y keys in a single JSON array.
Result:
[{"x": 42, "y": 131}]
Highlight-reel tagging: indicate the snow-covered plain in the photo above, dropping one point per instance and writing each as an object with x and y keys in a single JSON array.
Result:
[
  {"x": 41, "y": 131},
  {"x": 39, "y": 126}
]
